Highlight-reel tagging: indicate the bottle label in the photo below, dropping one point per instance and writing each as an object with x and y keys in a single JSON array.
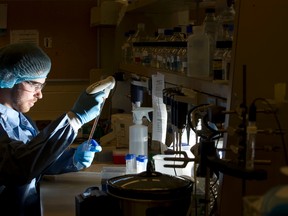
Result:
[{"x": 217, "y": 69}]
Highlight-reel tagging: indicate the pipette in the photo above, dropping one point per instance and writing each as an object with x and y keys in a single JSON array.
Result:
[{"x": 105, "y": 85}]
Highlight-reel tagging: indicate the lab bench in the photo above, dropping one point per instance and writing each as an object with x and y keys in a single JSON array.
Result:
[{"x": 58, "y": 191}]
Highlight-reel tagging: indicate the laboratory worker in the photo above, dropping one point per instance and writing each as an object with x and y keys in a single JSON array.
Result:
[{"x": 26, "y": 154}]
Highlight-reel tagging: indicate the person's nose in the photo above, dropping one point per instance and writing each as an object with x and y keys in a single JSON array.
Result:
[{"x": 39, "y": 94}]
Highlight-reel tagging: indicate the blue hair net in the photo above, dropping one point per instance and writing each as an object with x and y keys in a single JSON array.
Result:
[{"x": 20, "y": 62}]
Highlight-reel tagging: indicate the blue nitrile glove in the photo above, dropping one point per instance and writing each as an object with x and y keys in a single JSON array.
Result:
[
  {"x": 84, "y": 154},
  {"x": 88, "y": 106}
]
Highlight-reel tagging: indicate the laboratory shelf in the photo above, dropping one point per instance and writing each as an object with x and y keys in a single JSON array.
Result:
[
  {"x": 202, "y": 85},
  {"x": 160, "y": 6}
]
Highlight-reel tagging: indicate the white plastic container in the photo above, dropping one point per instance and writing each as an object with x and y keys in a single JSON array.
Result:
[
  {"x": 198, "y": 52},
  {"x": 138, "y": 139},
  {"x": 138, "y": 133},
  {"x": 141, "y": 163},
  {"x": 130, "y": 163}
]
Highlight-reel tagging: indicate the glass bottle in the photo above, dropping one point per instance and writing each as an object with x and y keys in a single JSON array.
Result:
[
  {"x": 140, "y": 35},
  {"x": 166, "y": 51},
  {"x": 210, "y": 27},
  {"x": 160, "y": 35},
  {"x": 227, "y": 60},
  {"x": 220, "y": 60},
  {"x": 157, "y": 49},
  {"x": 217, "y": 62},
  {"x": 127, "y": 48},
  {"x": 124, "y": 48},
  {"x": 183, "y": 60},
  {"x": 178, "y": 36},
  {"x": 210, "y": 23},
  {"x": 225, "y": 22},
  {"x": 146, "y": 55},
  {"x": 137, "y": 54}
]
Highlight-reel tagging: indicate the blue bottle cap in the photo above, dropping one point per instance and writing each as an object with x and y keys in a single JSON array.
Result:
[
  {"x": 130, "y": 156},
  {"x": 141, "y": 158}
]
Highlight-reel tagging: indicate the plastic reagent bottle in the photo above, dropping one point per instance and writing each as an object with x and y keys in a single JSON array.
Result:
[
  {"x": 141, "y": 163},
  {"x": 138, "y": 133},
  {"x": 198, "y": 52},
  {"x": 130, "y": 163}
]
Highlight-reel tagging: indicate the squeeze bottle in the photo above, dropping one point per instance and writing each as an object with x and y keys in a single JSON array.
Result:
[{"x": 138, "y": 133}]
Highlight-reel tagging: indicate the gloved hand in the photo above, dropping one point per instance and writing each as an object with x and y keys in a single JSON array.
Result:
[
  {"x": 88, "y": 106},
  {"x": 84, "y": 154}
]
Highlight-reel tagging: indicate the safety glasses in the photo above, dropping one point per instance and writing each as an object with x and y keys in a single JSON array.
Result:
[{"x": 36, "y": 86}]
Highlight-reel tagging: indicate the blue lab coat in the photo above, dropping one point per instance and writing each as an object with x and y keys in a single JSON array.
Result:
[{"x": 25, "y": 155}]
